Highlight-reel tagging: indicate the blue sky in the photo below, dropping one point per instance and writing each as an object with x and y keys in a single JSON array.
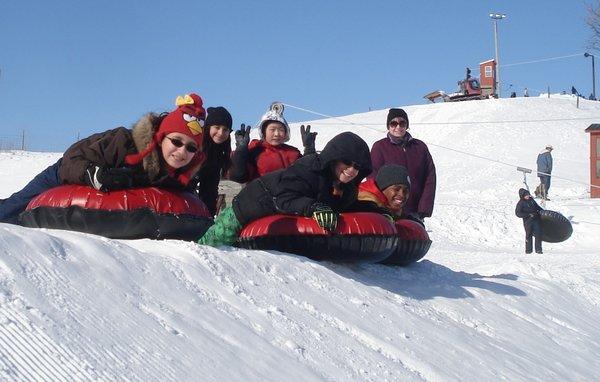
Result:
[{"x": 72, "y": 68}]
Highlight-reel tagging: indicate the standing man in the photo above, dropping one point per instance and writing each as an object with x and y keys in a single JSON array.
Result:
[
  {"x": 544, "y": 167},
  {"x": 400, "y": 148}
]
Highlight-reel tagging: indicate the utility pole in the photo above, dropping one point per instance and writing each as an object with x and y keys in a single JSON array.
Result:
[
  {"x": 496, "y": 17},
  {"x": 23, "y": 141},
  {"x": 586, "y": 54}
]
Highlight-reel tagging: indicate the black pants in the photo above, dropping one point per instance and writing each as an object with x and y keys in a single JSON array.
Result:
[{"x": 533, "y": 229}]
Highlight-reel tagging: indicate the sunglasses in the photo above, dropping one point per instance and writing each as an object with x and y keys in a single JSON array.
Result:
[
  {"x": 179, "y": 143},
  {"x": 352, "y": 164},
  {"x": 394, "y": 124}
]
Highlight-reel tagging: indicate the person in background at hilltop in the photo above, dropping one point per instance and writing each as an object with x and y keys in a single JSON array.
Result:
[
  {"x": 400, "y": 148},
  {"x": 529, "y": 211},
  {"x": 253, "y": 159},
  {"x": 160, "y": 150},
  {"x": 544, "y": 168},
  {"x": 319, "y": 186}
]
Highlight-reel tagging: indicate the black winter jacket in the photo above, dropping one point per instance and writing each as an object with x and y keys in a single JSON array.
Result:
[
  {"x": 309, "y": 180},
  {"x": 527, "y": 209}
]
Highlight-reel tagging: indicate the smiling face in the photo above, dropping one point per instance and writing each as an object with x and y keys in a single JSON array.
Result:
[
  {"x": 175, "y": 149},
  {"x": 345, "y": 172},
  {"x": 275, "y": 133},
  {"x": 219, "y": 133},
  {"x": 397, "y": 127},
  {"x": 396, "y": 195}
]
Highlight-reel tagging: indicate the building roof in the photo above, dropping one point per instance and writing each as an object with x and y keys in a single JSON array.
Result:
[{"x": 593, "y": 127}]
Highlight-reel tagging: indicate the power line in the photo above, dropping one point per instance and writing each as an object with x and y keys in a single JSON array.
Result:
[
  {"x": 542, "y": 60},
  {"x": 449, "y": 148}
]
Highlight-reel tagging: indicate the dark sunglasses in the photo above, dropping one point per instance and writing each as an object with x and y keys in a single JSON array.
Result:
[
  {"x": 178, "y": 143},
  {"x": 396, "y": 124},
  {"x": 351, "y": 164}
]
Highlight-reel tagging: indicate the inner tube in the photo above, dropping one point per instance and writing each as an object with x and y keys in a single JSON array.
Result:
[
  {"x": 554, "y": 226},
  {"x": 137, "y": 213},
  {"x": 359, "y": 237},
  {"x": 413, "y": 243}
]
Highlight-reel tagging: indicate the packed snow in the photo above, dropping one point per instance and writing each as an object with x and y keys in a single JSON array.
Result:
[{"x": 76, "y": 306}]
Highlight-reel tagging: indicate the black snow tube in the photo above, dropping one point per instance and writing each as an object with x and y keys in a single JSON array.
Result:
[
  {"x": 413, "y": 243},
  {"x": 555, "y": 227},
  {"x": 138, "y": 213},
  {"x": 359, "y": 237}
]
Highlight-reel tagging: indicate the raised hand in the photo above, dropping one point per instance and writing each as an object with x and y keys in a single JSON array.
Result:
[
  {"x": 242, "y": 136},
  {"x": 308, "y": 139}
]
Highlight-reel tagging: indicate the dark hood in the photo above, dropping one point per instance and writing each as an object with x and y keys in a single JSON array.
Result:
[
  {"x": 349, "y": 147},
  {"x": 523, "y": 192}
]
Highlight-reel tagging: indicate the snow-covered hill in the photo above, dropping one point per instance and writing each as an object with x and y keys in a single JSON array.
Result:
[{"x": 81, "y": 307}]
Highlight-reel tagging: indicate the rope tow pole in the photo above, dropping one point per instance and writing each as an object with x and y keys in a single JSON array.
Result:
[{"x": 518, "y": 168}]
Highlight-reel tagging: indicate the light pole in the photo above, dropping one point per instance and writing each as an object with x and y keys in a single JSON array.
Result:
[
  {"x": 496, "y": 17},
  {"x": 586, "y": 54}
]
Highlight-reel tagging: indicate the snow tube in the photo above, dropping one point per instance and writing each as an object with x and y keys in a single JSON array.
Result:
[
  {"x": 555, "y": 227},
  {"x": 359, "y": 237},
  {"x": 413, "y": 243},
  {"x": 138, "y": 213}
]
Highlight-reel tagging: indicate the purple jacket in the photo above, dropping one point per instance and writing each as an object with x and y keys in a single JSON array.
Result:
[{"x": 414, "y": 155}]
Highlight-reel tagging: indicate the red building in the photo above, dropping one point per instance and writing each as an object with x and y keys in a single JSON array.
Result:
[
  {"x": 594, "y": 131},
  {"x": 487, "y": 77}
]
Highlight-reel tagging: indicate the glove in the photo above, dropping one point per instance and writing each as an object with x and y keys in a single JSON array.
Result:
[
  {"x": 109, "y": 179},
  {"x": 242, "y": 136},
  {"x": 308, "y": 140},
  {"x": 388, "y": 217},
  {"x": 326, "y": 218},
  {"x": 417, "y": 217}
]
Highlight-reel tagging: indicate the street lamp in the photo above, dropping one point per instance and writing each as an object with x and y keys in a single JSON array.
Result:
[
  {"x": 496, "y": 17},
  {"x": 586, "y": 54}
]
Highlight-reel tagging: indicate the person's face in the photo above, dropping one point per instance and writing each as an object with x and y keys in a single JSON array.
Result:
[
  {"x": 178, "y": 149},
  {"x": 219, "y": 133},
  {"x": 397, "y": 127},
  {"x": 527, "y": 197},
  {"x": 275, "y": 133},
  {"x": 396, "y": 195},
  {"x": 345, "y": 171}
]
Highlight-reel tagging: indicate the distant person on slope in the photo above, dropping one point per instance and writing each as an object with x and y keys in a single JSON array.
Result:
[
  {"x": 253, "y": 159},
  {"x": 529, "y": 211},
  {"x": 161, "y": 150},
  {"x": 544, "y": 168},
  {"x": 400, "y": 148}
]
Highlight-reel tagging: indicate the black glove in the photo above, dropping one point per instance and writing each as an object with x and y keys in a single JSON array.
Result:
[
  {"x": 109, "y": 179},
  {"x": 326, "y": 218},
  {"x": 242, "y": 136},
  {"x": 417, "y": 217},
  {"x": 308, "y": 140}
]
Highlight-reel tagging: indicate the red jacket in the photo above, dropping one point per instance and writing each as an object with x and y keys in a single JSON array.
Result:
[
  {"x": 259, "y": 159},
  {"x": 368, "y": 191}
]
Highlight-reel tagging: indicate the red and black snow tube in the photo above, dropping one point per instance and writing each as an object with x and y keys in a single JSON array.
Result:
[
  {"x": 555, "y": 227},
  {"x": 359, "y": 237},
  {"x": 137, "y": 213},
  {"x": 413, "y": 243}
]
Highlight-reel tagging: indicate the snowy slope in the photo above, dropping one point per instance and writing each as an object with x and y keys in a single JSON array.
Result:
[{"x": 81, "y": 307}]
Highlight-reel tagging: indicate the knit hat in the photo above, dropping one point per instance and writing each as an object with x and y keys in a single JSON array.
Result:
[
  {"x": 549, "y": 147},
  {"x": 391, "y": 174},
  {"x": 394, "y": 113},
  {"x": 187, "y": 118},
  {"x": 218, "y": 116},
  {"x": 274, "y": 114}
]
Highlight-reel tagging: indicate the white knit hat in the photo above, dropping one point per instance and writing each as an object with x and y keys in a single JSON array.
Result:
[{"x": 275, "y": 113}]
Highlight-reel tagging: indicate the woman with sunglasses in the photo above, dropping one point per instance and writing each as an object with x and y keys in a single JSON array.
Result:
[
  {"x": 400, "y": 148},
  {"x": 319, "y": 186},
  {"x": 160, "y": 150}
]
